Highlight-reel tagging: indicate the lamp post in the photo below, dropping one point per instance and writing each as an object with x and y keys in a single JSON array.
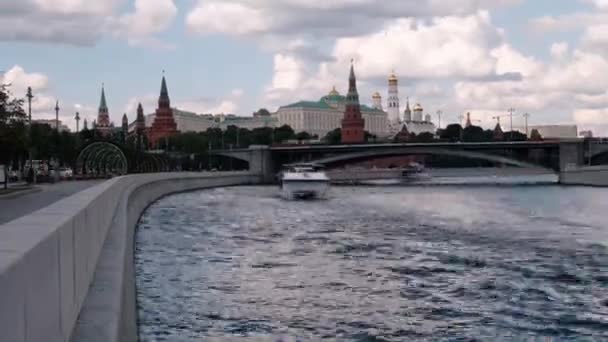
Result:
[
  {"x": 29, "y": 110},
  {"x": 77, "y": 118},
  {"x": 511, "y": 110},
  {"x": 439, "y": 112},
  {"x": 57, "y": 116}
]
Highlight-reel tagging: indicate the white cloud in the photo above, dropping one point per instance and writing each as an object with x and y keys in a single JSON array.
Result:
[
  {"x": 78, "y": 22},
  {"x": 319, "y": 18},
  {"x": 150, "y": 17},
  {"x": 84, "y": 22},
  {"x": 226, "y": 17},
  {"x": 559, "y": 50},
  {"x": 44, "y": 101}
]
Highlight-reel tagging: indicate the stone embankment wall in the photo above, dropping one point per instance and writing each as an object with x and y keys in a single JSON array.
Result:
[
  {"x": 67, "y": 272},
  {"x": 585, "y": 175}
]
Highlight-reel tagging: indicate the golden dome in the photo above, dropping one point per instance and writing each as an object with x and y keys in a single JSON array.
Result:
[
  {"x": 392, "y": 77},
  {"x": 376, "y": 95},
  {"x": 418, "y": 107},
  {"x": 334, "y": 92}
]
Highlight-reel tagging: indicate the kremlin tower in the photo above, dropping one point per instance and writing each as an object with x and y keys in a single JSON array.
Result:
[
  {"x": 377, "y": 101},
  {"x": 407, "y": 114},
  {"x": 103, "y": 117},
  {"x": 418, "y": 113},
  {"x": 393, "y": 100},
  {"x": 353, "y": 124},
  {"x": 164, "y": 125}
]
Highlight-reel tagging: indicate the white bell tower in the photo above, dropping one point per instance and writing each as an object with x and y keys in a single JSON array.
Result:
[{"x": 393, "y": 100}]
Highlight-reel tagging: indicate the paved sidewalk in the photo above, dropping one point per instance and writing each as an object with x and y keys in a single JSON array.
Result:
[{"x": 13, "y": 207}]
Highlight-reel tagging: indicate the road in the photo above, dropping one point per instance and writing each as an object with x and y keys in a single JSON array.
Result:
[{"x": 14, "y": 207}]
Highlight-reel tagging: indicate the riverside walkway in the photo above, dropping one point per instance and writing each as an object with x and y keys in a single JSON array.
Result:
[{"x": 21, "y": 204}]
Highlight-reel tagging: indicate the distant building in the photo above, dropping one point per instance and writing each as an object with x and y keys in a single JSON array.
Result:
[
  {"x": 586, "y": 134},
  {"x": 417, "y": 123},
  {"x": 323, "y": 116},
  {"x": 52, "y": 123},
  {"x": 248, "y": 122},
  {"x": 191, "y": 122},
  {"x": 552, "y": 131}
]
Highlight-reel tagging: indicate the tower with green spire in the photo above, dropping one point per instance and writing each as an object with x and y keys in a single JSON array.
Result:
[
  {"x": 353, "y": 124},
  {"x": 103, "y": 116}
]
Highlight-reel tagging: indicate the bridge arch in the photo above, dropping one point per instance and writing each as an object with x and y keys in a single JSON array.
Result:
[{"x": 366, "y": 155}]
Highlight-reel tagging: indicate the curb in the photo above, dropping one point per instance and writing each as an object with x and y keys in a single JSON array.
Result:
[{"x": 20, "y": 193}]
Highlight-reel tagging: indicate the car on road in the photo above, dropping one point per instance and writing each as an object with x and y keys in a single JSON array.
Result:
[{"x": 66, "y": 172}]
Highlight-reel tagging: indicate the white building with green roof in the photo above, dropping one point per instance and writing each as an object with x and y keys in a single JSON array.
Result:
[{"x": 323, "y": 116}]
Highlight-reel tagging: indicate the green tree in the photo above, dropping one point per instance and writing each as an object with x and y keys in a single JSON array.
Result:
[
  {"x": 452, "y": 132},
  {"x": 424, "y": 137},
  {"x": 262, "y": 136},
  {"x": 13, "y": 133},
  {"x": 283, "y": 133},
  {"x": 473, "y": 134},
  {"x": 303, "y": 136},
  {"x": 333, "y": 137},
  {"x": 488, "y": 135}
]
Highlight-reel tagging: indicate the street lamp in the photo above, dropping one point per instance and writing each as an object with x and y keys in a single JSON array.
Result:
[
  {"x": 439, "y": 112},
  {"x": 77, "y": 118},
  {"x": 511, "y": 110},
  {"x": 526, "y": 116},
  {"x": 29, "y": 110},
  {"x": 57, "y": 116}
]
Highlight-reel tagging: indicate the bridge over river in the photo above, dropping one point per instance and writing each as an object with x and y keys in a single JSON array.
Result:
[{"x": 564, "y": 157}]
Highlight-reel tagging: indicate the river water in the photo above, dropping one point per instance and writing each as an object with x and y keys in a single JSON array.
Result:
[{"x": 376, "y": 264}]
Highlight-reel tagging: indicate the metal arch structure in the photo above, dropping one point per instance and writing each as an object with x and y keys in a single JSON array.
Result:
[
  {"x": 430, "y": 151},
  {"x": 102, "y": 158}
]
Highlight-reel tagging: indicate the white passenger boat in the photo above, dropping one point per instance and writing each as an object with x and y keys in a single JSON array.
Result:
[{"x": 304, "y": 181}]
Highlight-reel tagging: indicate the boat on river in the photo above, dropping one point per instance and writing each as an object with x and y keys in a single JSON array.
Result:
[
  {"x": 414, "y": 173},
  {"x": 304, "y": 181}
]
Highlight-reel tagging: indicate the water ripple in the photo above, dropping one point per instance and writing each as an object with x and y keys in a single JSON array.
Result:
[{"x": 375, "y": 264}]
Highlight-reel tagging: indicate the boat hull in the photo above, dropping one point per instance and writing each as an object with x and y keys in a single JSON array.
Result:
[{"x": 293, "y": 190}]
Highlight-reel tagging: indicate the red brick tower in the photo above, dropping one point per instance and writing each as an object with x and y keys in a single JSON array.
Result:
[
  {"x": 353, "y": 124},
  {"x": 103, "y": 117},
  {"x": 164, "y": 125}
]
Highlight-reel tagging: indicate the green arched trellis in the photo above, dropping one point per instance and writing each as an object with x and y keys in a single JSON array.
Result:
[{"x": 102, "y": 158}]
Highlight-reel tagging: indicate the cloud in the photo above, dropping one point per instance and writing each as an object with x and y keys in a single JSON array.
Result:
[
  {"x": 149, "y": 17},
  {"x": 76, "y": 22},
  {"x": 442, "y": 49},
  {"x": 84, "y": 22},
  {"x": 318, "y": 18},
  {"x": 44, "y": 101}
]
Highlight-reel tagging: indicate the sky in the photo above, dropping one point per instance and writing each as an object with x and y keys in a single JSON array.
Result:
[{"x": 548, "y": 58}]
